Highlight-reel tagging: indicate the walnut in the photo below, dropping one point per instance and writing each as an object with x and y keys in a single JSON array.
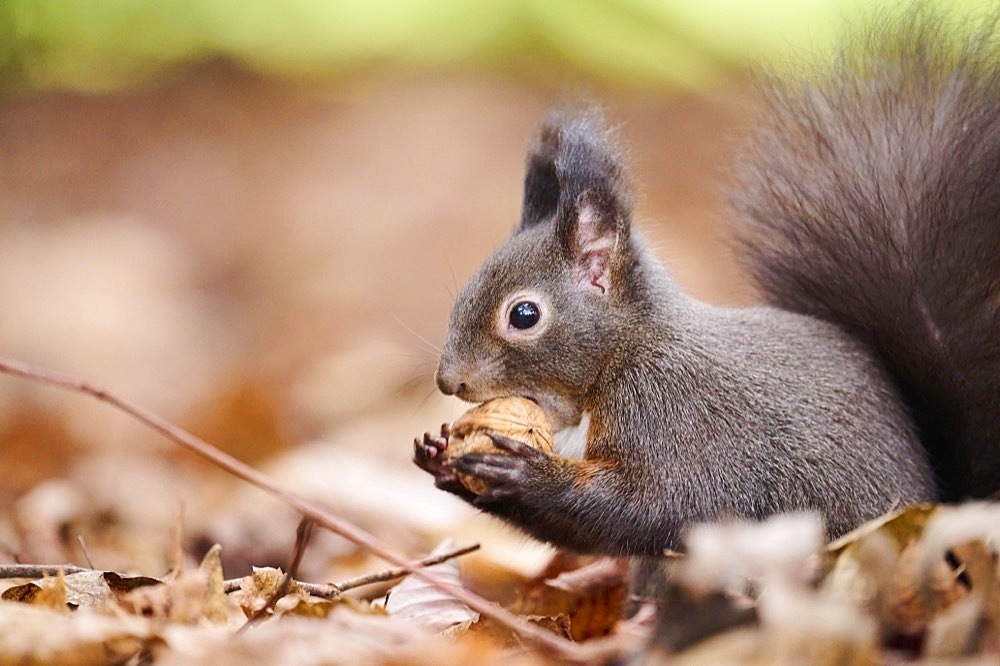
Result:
[{"x": 517, "y": 418}]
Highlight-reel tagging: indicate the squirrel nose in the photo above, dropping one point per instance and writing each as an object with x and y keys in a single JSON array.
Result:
[
  {"x": 449, "y": 376},
  {"x": 448, "y": 383}
]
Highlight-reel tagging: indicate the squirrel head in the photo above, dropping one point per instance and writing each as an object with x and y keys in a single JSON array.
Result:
[{"x": 541, "y": 315}]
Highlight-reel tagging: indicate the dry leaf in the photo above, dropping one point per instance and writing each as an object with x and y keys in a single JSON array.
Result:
[
  {"x": 595, "y": 614},
  {"x": 726, "y": 555},
  {"x": 181, "y": 599},
  {"x": 902, "y": 525},
  {"x": 49, "y": 593},
  {"x": 955, "y": 632},
  {"x": 82, "y": 589},
  {"x": 33, "y": 635},
  {"x": 215, "y": 606},
  {"x": 875, "y": 567},
  {"x": 967, "y": 535},
  {"x": 596, "y": 594},
  {"x": 259, "y": 587},
  {"x": 344, "y": 638},
  {"x": 416, "y": 600},
  {"x": 803, "y": 627},
  {"x": 739, "y": 646}
]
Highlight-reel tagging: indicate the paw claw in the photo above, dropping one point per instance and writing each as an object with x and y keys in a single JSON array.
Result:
[
  {"x": 496, "y": 470},
  {"x": 428, "y": 453},
  {"x": 515, "y": 447}
]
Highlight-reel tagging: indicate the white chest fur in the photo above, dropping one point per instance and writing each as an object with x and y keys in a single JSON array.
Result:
[{"x": 572, "y": 442}]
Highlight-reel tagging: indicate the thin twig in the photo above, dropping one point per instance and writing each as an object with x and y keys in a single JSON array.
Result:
[
  {"x": 334, "y": 590},
  {"x": 393, "y": 574},
  {"x": 83, "y": 549},
  {"x": 322, "y": 590},
  {"x": 176, "y": 548},
  {"x": 546, "y": 641},
  {"x": 39, "y": 570}
]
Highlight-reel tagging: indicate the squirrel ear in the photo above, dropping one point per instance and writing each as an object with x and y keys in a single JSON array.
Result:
[
  {"x": 593, "y": 211},
  {"x": 592, "y": 236},
  {"x": 575, "y": 175}
]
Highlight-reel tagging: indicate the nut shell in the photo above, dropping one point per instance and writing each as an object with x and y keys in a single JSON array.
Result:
[{"x": 517, "y": 418}]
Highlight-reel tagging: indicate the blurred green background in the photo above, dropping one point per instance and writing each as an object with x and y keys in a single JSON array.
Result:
[{"x": 105, "y": 44}]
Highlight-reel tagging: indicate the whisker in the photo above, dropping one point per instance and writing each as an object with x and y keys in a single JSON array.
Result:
[
  {"x": 419, "y": 337},
  {"x": 413, "y": 382},
  {"x": 454, "y": 281},
  {"x": 426, "y": 397},
  {"x": 452, "y": 294}
]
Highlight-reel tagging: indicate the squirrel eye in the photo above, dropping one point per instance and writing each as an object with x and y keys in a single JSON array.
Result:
[{"x": 524, "y": 314}]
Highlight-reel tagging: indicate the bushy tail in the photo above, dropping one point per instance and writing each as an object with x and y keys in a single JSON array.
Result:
[{"x": 871, "y": 198}]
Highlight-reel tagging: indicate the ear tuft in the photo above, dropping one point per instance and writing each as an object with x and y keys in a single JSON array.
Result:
[
  {"x": 573, "y": 152},
  {"x": 541, "y": 190},
  {"x": 541, "y": 180}
]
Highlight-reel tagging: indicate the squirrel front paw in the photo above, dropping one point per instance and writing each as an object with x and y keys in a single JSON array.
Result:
[
  {"x": 507, "y": 476},
  {"x": 430, "y": 454}
]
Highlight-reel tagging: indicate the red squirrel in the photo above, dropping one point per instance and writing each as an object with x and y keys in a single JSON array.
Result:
[{"x": 867, "y": 206}]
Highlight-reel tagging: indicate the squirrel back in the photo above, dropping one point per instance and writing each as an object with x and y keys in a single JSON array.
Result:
[{"x": 869, "y": 196}]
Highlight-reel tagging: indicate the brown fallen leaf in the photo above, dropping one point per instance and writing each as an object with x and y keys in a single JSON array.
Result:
[
  {"x": 598, "y": 592},
  {"x": 966, "y": 537},
  {"x": 185, "y": 597},
  {"x": 180, "y": 600},
  {"x": 258, "y": 588},
  {"x": 418, "y": 602},
  {"x": 34, "y": 635},
  {"x": 215, "y": 609},
  {"x": 875, "y": 568},
  {"x": 51, "y": 594},
  {"x": 84, "y": 588}
]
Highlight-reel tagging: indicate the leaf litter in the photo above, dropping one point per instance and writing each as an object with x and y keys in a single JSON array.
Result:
[{"x": 917, "y": 585}]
